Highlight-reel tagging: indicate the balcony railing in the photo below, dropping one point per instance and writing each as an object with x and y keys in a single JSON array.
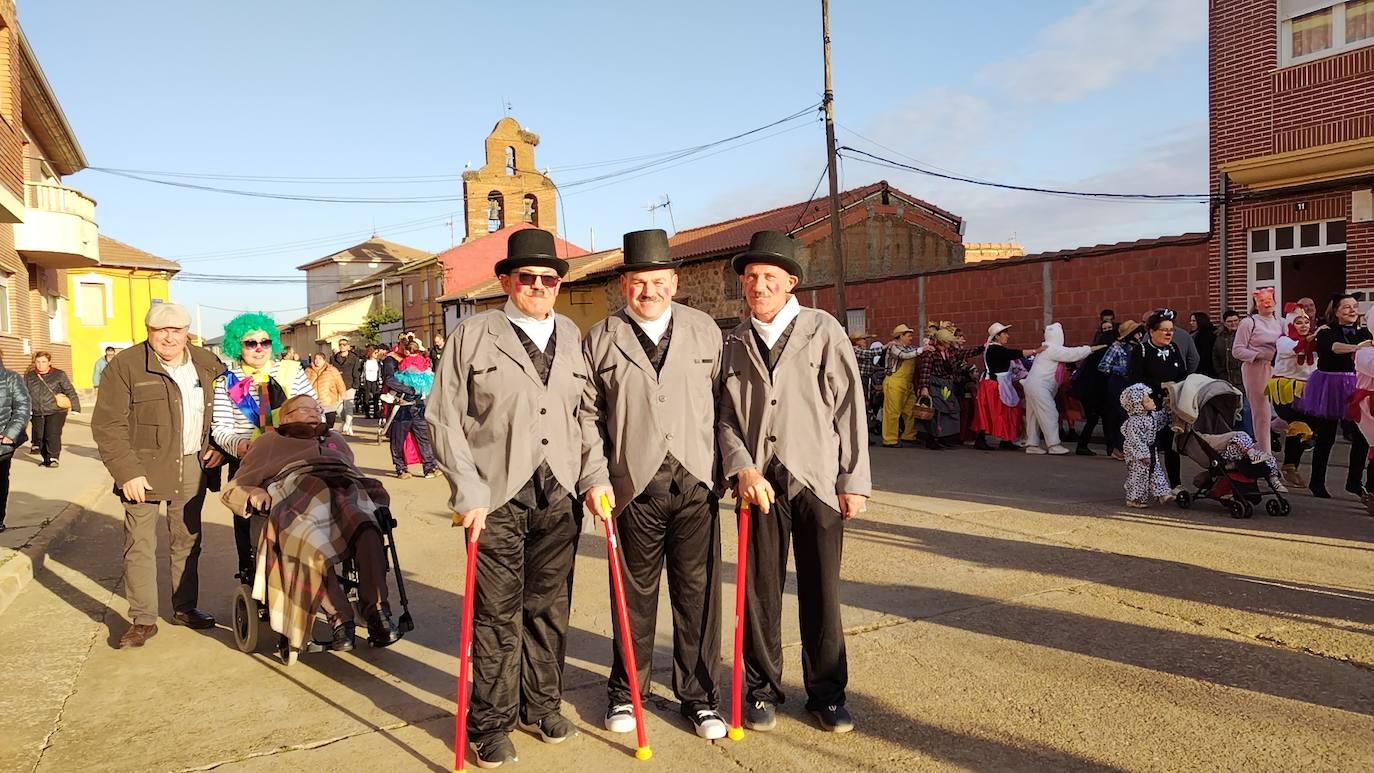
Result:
[{"x": 52, "y": 197}]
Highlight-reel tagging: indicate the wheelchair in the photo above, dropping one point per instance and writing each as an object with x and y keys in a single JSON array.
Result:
[{"x": 250, "y": 621}]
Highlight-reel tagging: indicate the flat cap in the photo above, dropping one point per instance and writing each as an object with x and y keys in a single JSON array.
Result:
[{"x": 166, "y": 315}]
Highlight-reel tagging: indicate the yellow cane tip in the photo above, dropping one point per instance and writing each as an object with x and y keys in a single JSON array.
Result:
[
  {"x": 643, "y": 753},
  {"x": 736, "y": 734},
  {"x": 460, "y": 770}
]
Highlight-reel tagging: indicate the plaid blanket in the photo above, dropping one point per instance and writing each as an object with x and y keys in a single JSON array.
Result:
[{"x": 318, "y": 509}]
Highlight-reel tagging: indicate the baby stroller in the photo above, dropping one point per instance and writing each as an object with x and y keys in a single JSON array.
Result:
[
  {"x": 251, "y": 616},
  {"x": 1239, "y": 485}
]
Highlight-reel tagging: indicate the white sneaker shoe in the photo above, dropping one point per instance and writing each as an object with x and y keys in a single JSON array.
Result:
[
  {"x": 709, "y": 724},
  {"x": 620, "y": 718},
  {"x": 1058, "y": 450},
  {"x": 1035, "y": 450}
]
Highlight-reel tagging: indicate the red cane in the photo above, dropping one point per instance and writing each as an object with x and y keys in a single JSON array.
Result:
[
  {"x": 465, "y": 658},
  {"x": 737, "y": 675},
  {"x": 627, "y": 647}
]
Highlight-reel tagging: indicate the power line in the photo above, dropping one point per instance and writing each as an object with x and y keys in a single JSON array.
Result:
[
  {"x": 814, "y": 191},
  {"x": 881, "y": 161}
]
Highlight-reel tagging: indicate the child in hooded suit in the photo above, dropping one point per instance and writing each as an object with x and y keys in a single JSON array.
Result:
[{"x": 1145, "y": 481}]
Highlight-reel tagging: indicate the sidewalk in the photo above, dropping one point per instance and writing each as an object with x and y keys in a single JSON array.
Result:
[{"x": 44, "y": 503}]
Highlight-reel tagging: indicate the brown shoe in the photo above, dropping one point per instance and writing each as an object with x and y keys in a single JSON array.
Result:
[
  {"x": 1292, "y": 477},
  {"x": 137, "y": 635}
]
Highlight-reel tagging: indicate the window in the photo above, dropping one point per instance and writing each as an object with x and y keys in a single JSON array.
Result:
[
  {"x": 424, "y": 290},
  {"x": 438, "y": 286},
  {"x": 1297, "y": 261},
  {"x": 733, "y": 291},
  {"x": 510, "y": 161},
  {"x": 855, "y": 320},
  {"x": 4, "y": 303},
  {"x": 1311, "y": 29},
  {"x": 531, "y": 212},
  {"x": 91, "y": 303},
  {"x": 410, "y": 295},
  {"x": 57, "y": 319}
]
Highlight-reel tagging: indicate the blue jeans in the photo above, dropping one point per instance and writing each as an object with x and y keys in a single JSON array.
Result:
[{"x": 1247, "y": 421}]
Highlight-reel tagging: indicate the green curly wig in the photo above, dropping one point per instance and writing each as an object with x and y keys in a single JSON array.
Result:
[{"x": 244, "y": 324}]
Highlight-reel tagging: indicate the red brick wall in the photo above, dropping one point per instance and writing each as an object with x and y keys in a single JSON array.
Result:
[
  {"x": 1130, "y": 281},
  {"x": 11, "y": 104},
  {"x": 1257, "y": 109}
]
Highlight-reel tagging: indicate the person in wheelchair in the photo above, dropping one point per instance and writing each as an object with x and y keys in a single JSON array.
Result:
[{"x": 320, "y": 510}]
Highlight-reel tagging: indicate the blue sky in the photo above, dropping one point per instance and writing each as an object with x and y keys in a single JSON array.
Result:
[{"x": 1103, "y": 95}]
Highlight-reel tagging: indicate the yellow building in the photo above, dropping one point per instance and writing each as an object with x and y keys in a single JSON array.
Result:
[{"x": 109, "y": 302}]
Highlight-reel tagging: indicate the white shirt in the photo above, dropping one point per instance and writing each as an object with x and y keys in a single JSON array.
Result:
[
  {"x": 192, "y": 402},
  {"x": 372, "y": 370},
  {"x": 771, "y": 331},
  {"x": 655, "y": 328},
  {"x": 539, "y": 330}
]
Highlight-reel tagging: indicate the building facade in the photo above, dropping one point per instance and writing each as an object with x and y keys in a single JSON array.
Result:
[
  {"x": 1291, "y": 86},
  {"x": 508, "y": 188},
  {"x": 327, "y": 276},
  {"x": 107, "y": 303}
]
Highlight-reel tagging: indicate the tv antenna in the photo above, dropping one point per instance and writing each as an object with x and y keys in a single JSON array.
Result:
[{"x": 667, "y": 204}]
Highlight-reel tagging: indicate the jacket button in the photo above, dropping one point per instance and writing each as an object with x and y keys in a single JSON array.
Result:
[
  {"x": 545, "y": 441},
  {"x": 668, "y": 437},
  {"x": 772, "y": 438},
  {"x": 663, "y": 398},
  {"x": 772, "y": 402},
  {"x": 543, "y": 411}
]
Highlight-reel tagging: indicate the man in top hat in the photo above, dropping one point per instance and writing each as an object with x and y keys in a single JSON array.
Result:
[
  {"x": 793, "y": 441},
  {"x": 506, "y": 435},
  {"x": 650, "y": 448},
  {"x": 152, "y": 428}
]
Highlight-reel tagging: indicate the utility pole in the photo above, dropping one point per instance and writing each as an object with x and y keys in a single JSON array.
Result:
[{"x": 837, "y": 255}]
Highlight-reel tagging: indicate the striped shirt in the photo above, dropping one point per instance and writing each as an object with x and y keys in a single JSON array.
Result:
[{"x": 228, "y": 425}]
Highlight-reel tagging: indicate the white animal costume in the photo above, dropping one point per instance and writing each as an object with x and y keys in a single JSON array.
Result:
[
  {"x": 1042, "y": 418},
  {"x": 1364, "y": 386}
]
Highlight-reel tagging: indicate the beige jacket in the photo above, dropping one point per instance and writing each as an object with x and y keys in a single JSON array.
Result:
[
  {"x": 492, "y": 421},
  {"x": 810, "y": 415},
  {"x": 632, "y": 417}
]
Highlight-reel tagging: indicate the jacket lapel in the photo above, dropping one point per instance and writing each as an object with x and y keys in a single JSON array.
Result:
[
  {"x": 628, "y": 343},
  {"x": 803, "y": 328},
  {"x": 744, "y": 336},
  {"x": 503, "y": 335}
]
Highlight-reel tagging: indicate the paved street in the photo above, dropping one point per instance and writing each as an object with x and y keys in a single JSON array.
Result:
[{"x": 1004, "y": 612}]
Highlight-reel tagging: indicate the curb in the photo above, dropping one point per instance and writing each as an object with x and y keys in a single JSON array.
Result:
[{"x": 19, "y": 571}]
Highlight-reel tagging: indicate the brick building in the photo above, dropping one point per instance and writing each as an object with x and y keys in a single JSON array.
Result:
[
  {"x": 884, "y": 232},
  {"x": 1292, "y": 147},
  {"x": 508, "y": 189}
]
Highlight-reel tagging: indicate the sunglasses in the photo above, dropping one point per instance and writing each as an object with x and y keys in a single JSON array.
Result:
[
  {"x": 528, "y": 280},
  {"x": 262, "y": 343}
]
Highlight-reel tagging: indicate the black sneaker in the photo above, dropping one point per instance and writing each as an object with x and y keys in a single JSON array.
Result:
[
  {"x": 761, "y": 716},
  {"x": 343, "y": 638},
  {"x": 494, "y": 751},
  {"x": 1085, "y": 451},
  {"x": 708, "y": 724},
  {"x": 620, "y": 718},
  {"x": 555, "y": 728},
  {"x": 836, "y": 719}
]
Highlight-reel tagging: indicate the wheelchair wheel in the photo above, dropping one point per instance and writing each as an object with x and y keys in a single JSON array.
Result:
[{"x": 247, "y": 622}]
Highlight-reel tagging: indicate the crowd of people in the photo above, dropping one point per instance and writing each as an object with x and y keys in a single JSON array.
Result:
[{"x": 1300, "y": 376}]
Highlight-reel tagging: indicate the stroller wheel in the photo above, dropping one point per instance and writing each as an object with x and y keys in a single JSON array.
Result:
[
  {"x": 247, "y": 620},
  {"x": 1249, "y": 510},
  {"x": 1184, "y": 500},
  {"x": 1238, "y": 509},
  {"x": 1278, "y": 507}
]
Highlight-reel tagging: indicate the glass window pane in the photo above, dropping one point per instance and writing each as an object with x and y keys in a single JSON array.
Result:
[
  {"x": 1312, "y": 235},
  {"x": 1311, "y": 33},
  {"x": 1359, "y": 20},
  {"x": 1264, "y": 272},
  {"x": 1335, "y": 232},
  {"x": 1259, "y": 240},
  {"x": 1283, "y": 238}
]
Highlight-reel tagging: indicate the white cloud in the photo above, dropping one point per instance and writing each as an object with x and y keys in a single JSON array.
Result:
[{"x": 1094, "y": 47}]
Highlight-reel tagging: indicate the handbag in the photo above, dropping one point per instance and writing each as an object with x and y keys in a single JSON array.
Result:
[{"x": 63, "y": 402}]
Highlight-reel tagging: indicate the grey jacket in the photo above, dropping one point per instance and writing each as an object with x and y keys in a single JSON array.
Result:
[
  {"x": 810, "y": 415},
  {"x": 1186, "y": 347},
  {"x": 632, "y": 417},
  {"x": 492, "y": 421},
  {"x": 14, "y": 404}
]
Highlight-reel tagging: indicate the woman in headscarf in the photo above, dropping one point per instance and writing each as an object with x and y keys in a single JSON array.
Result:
[
  {"x": 935, "y": 381},
  {"x": 1295, "y": 361},
  {"x": 250, "y": 394},
  {"x": 329, "y": 386},
  {"x": 998, "y": 409},
  {"x": 1156, "y": 361},
  {"x": 1254, "y": 346},
  {"x": 1326, "y": 397}
]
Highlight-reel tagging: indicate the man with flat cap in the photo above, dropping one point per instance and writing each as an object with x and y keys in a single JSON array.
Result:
[
  {"x": 793, "y": 441},
  {"x": 152, "y": 428},
  {"x": 650, "y": 448},
  {"x": 503, "y": 414}
]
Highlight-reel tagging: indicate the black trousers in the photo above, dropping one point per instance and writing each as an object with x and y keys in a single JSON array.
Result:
[
  {"x": 816, "y": 533},
  {"x": 47, "y": 434},
  {"x": 5, "y": 465},
  {"x": 524, "y": 589},
  {"x": 412, "y": 421},
  {"x": 1324, "y": 431},
  {"x": 1164, "y": 441},
  {"x": 676, "y": 518}
]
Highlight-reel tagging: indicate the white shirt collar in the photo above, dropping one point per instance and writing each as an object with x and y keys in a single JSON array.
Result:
[
  {"x": 771, "y": 331},
  {"x": 539, "y": 330},
  {"x": 653, "y": 328}
]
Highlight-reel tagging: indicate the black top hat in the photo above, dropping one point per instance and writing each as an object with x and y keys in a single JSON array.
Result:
[
  {"x": 531, "y": 247},
  {"x": 772, "y": 247},
  {"x": 647, "y": 251}
]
